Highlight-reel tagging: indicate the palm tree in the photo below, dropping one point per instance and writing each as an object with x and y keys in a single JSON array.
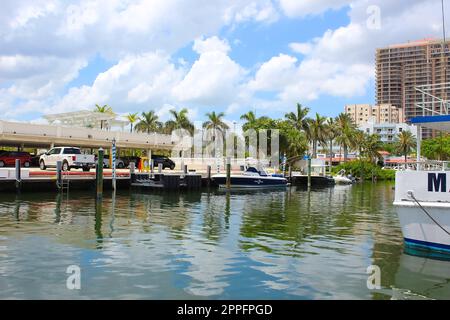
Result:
[
  {"x": 148, "y": 122},
  {"x": 103, "y": 109},
  {"x": 359, "y": 139},
  {"x": 180, "y": 121},
  {"x": 299, "y": 120},
  {"x": 372, "y": 146},
  {"x": 250, "y": 119},
  {"x": 332, "y": 132},
  {"x": 405, "y": 143},
  {"x": 346, "y": 129},
  {"x": 132, "y": 118},
  {"x": 216, "y": 124},
  {"x": 317, "y": 132}
]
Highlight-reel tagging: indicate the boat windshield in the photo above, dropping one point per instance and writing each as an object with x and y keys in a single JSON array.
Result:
[{"x": 252, "y": 170}]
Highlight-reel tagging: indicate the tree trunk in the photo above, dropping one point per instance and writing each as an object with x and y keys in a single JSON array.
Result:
[
  {"x": 345, "y": 153},
  {"x": 314, "y": 155}
]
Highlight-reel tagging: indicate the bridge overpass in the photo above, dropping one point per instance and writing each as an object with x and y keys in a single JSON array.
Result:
[{"x": 17, "y": 134}]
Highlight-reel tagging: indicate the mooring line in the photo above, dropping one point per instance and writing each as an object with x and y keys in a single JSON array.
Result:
[{"x": 411, "y": 194}]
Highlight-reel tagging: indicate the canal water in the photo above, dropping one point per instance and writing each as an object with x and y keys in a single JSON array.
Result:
[{"x": 291, "y": 244}]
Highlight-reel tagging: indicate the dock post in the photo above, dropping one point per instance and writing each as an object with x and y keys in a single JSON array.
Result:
[
  {"x": 18, "y": 175},
  {"x": 160, "y": 168},
  {"x": 309, "y": 172},
  {"x": 132, "y": 172},
  {"x": 99, "y": 173},
  {"x": 59, "y": 175},
  {"x": 208, "y": 176},
  {"x": 112, "y": 158},
  {"x": 228, "y": 173},
  {"x": 290, "y": 173},
  {"x": 152, "y": 167},
  {"x": 185, "y": 169}
]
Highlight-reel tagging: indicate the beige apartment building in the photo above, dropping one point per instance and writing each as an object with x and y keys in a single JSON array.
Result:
[
  {"x": 401, "y": 68},
  {"x": 384, "y": 113}
]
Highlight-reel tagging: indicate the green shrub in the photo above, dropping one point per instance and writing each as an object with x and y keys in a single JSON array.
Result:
[{"x": 365, "y": 170}]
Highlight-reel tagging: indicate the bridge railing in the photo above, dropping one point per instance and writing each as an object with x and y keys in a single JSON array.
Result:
[{"x": 427, "y": 165}]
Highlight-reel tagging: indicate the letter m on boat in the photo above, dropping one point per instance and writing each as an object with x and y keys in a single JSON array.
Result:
[{"x": 437, "y": 182}]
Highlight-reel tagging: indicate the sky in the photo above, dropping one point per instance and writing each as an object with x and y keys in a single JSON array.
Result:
[{"x": 231, "y": 56}]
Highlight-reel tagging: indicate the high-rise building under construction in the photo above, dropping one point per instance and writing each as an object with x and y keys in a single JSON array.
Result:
[{"x": 401, "y": 68}]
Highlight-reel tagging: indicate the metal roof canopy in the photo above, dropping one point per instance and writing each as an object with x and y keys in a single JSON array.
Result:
[
  {"x": 84, "y": 118},
  {"x": 440, "y": 123}
]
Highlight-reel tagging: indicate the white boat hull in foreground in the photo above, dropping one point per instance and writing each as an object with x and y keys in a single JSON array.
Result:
[{"x": 422, "y": 201}]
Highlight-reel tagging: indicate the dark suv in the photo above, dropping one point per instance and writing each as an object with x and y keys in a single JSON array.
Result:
[
  {"x": 8, "y": 158},
  {"x": 166, "y": 162}
]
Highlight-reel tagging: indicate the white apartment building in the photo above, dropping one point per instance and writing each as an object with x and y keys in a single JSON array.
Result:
[{"x": 387, "y": 131}]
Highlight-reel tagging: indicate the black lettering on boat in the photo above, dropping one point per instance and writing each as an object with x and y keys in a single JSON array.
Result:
[{"x": 437, "y": 182}]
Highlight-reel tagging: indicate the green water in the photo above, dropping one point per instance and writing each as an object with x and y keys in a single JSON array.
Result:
[{"x": 289, "y": 244}]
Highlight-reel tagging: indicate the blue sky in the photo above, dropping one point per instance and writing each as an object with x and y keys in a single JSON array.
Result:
[{"x": 231, "y": 56}]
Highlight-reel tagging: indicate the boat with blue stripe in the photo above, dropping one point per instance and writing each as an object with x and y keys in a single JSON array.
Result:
[
  {"x": 422, "y": 196},
  {"x": 251, "y": 178}
]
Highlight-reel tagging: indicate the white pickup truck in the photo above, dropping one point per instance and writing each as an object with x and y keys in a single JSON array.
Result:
[{"x": 71, "y": 158}]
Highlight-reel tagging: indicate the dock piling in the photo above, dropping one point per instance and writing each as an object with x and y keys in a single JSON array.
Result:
[
  {"x": 208, "y": 175},
  {"x": 99, "y": 173},
  {"x": 309, "y": 172},
  {"x": 132, "y": 172},
  {"x": 18, "y": 176},
  {"x": 59, "y": 175},
  {"x": 160, "y": 168},
  {"x": 112, "y": 158},
  {"x": 228, "y": 173}
]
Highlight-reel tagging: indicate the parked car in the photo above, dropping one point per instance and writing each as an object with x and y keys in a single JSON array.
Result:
[
  {"x": 71, "y": 158},
  {"x": 166, "y": 162},
  {"x": 35, "y": 160},
  {"x": 120, "y": 164},
  {"x": 8, "y": 158},
  {"x": 130, "y": 159}
]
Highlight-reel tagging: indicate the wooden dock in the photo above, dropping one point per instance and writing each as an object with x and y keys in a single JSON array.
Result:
[{"x": 36, "y": 180}]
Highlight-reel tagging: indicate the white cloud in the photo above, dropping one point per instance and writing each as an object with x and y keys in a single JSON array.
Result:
[
  {"x": 341, "y": 61},
  {"x": 152, "y": 81},
  {"x": 144, "y": 79},
  {"x": 260, "y": 11},
  {"x": 214, "y": 78},
  {"x": 275, "y": 74},
  {"x": 302, "y": 48},
  {"x": 211, "y": 45},
  {"x": 45, "y": 44},
  {"x": 301, "y": 8}
]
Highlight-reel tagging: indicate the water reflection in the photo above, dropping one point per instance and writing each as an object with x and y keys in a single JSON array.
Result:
[{"x": 280, "y": 244}]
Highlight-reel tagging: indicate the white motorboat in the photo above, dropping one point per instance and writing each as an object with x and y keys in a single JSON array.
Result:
[
  {"x": 422, "y": 197},
  {"x": 341, "y": 178},
  {"x": 251, "y": 178}
]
